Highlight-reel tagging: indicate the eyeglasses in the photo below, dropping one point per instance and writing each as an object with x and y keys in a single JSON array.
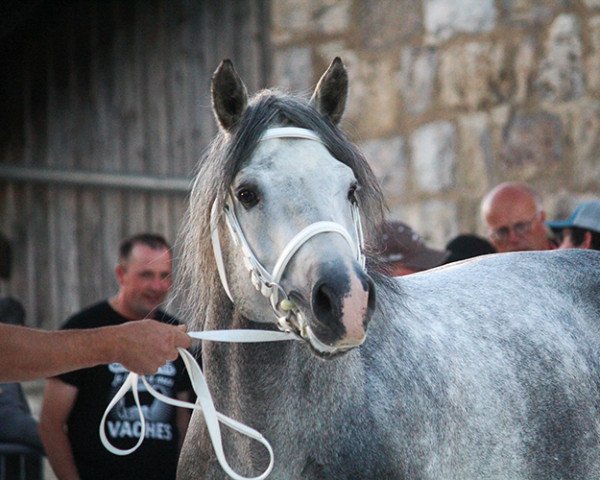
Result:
[{"x": 520, "y": 229}]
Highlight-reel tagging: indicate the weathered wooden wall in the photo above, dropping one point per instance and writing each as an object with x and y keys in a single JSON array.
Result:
[{"x": 105, "y": 111}]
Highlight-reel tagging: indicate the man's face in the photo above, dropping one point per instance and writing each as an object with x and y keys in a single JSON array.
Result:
[
  {"x": 516, "y": 227},
  {"x": 145, "y": 280}
]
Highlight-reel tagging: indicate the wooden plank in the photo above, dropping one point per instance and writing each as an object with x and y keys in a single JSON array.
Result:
[
  {"x": 8, "y": 213},
  {"x": 63, "y": 252},
  {"x": 113, "y": 219},
  {"x": 154, "y": 58},
  {"x": 178, "y": 32},
  {"x": 68, "y": 253},
  {"x": 160, "y": 216},
  {"x": 38, "y": 258},
  {"x": 204, "y": 62},
  {"x": 136, "y": 215},
  {"x": 15, "y": 232},
  {"x": 35, "y": 97},
  {"x": 129, "y": 87},
  {"x": 83, "y": 122},
  {"x": 104, "y": 155},
  {"x": 90, "y": 224},
  {"x": 60, "y": 85},
  {"x": 179, "y": 206},
  {"x": 244, "y": 42}
]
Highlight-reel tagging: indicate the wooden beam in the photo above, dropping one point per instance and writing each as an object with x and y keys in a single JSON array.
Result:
[{"x": 80, "y": 178}]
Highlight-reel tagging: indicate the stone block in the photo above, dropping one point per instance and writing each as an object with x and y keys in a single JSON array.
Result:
[
  {"x": 293, "y": 70},
  {"x": 388, "y": 161},
  {"x": 524, "y": 68},
  {"x": 476, "y": 164},
  {"x": 384, "y": 24},
  {"x": 375, "y": 103},
  {"x": 561, "y": 73},
  {"x": 433, "y": 147},
  {"x": 332, "y": 16},
  {"x": 593, "y": 58},
  {"x": 528, "y": 13},
  {"x": 438, "y": 221},
  {"x": 474, "y": 75},
  {"x": 586, "y": 145},
  {"x": 289, "y": 17},
  {"x": 532, "y": 142},
  {"x": 447, "y": 18},
  {"x": 418, "y": 68},
  {"x": 594, "y": 32},
  {"x": 435, "y": 220}
]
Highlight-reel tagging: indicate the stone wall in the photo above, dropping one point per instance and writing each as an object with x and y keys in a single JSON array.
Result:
[{"x": 450, "y": 97}]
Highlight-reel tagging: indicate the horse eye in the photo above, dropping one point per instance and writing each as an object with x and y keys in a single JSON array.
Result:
[
  {"x": 247, "y": 197},
  {"x": 352, "y": 192}
]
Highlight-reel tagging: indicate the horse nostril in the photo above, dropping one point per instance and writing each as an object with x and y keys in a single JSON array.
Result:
[
  {"x": 321, "y": 302},
  {"x": 342, "y": 302},
  {"x": 371, "y": 299}
]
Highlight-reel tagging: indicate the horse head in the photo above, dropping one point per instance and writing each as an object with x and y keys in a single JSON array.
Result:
[{"x": 286, "y": 233}]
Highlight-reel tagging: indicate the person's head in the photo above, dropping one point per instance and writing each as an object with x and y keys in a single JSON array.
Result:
[
  {"x": 467, "y": 245},
  {"x": 11, "y": 311},
  {"x": 514, "y": 217},
  {"x": 144, "y": 273},
  {"x": 581, "y": 229},
  {"x": 5, "y": 257},
  {"x": 404, "y": 251}
]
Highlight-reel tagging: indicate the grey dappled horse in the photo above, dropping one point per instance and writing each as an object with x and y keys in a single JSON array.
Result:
[{"x": 482, "y": 370}]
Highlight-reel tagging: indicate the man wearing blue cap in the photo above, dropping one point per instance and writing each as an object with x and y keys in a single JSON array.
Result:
[{"x": 581, "y": 229}]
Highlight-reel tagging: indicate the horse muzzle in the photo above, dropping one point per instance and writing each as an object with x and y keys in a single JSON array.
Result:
[{"x": 342, "y": 303}]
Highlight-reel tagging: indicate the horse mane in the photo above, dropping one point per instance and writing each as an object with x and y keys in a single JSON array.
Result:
[{"x": 204, "y": 301}]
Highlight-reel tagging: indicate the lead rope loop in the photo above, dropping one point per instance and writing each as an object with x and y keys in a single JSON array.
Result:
[{"x": 204, "y": 401}]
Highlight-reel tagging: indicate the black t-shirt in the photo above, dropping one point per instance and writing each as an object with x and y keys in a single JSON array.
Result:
[{"x": 156, "y": 458}]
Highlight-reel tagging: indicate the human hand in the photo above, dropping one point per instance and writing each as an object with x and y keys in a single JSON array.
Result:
[{"x": 145, "y": 345}]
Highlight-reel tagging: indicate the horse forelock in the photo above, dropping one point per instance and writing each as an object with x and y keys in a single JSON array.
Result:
[{"x": 198, "y": 279}]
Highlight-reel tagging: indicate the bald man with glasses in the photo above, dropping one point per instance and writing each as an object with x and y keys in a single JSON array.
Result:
[{"x": 514, "y": 216}]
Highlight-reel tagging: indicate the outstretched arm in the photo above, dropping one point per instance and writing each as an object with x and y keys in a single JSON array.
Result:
[
  {"x": 59, "y": 398},
  {"x": 141, "y": 346}
]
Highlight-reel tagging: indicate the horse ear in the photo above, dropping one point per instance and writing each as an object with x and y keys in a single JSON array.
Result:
[
  {"x": 229, "y": 95},
  {"x": 329, "y": 97}
]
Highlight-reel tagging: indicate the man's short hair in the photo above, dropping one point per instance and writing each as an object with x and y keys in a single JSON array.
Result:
[
  {"x": 5, "y": 257},
  {"x": 152, "y": 240},
  {"x": 11, "y": 311},
  {"x": 578, "y": 236}
]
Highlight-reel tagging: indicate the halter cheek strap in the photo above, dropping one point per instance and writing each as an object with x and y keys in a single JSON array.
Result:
[{"x": 264, "y": 281}]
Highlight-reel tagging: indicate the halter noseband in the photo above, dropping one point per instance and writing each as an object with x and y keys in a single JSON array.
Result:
[{"x": 267, "y": 283}]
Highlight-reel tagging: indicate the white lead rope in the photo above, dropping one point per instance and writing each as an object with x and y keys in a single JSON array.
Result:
[{"x": 204, "y": 401}]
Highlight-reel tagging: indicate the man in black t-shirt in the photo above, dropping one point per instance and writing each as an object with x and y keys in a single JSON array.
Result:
[{"x": 75, "y": 402}]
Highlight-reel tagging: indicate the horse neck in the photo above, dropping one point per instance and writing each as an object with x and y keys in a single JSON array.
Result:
[{"x": 261, "y": 372}]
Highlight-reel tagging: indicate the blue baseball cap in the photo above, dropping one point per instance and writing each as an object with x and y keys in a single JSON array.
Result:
[{"x": 586, "y": 215}]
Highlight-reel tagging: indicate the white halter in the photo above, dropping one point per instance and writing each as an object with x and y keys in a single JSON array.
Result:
[
  {"x": 265, "y": 282},
  {"x": 268, "y": 284}
]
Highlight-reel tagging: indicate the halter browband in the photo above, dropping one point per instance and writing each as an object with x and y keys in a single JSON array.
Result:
[
  {"x": 289, "y": 132},
  {"x": 268, "y": 284}
]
